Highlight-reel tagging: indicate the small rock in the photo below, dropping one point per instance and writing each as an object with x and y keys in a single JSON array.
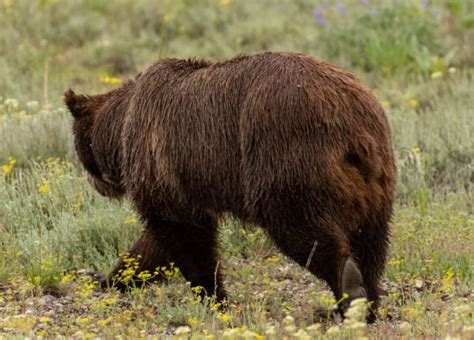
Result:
[
  {"x": 383, "y": 289},
  {"x": 30, "y": 311},
  {"x": 68, "y": 298},
  {"x": 47, "y": 299},
  {"x": 59, "y": 306},
  {"x": 50, "y": 313},
  {"x": 419, "y": 284}
]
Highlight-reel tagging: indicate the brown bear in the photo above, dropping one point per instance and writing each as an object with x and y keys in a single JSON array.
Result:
[{"x": 284, "y": 141}]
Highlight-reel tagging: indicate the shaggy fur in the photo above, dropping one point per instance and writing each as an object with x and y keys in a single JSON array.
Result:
[{"x": 280, "y": 140}]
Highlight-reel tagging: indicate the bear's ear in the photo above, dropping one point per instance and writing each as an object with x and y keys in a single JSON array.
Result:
[{"x": 74, "y": 103}]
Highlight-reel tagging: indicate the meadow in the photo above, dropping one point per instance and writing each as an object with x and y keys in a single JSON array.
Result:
[{"x": 417, "y": 56}]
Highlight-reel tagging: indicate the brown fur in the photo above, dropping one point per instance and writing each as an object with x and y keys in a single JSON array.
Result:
[{"x": 280, "y": 140}]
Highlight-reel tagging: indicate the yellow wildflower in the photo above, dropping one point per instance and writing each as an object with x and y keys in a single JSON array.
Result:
[
  {"x": 416, "y": 149},
  {"x": 104, "y": 322},
  {"x": 448, "y": 280},
  {"x": 110, "y": 80},
  {"x": 436, "y": 75},
  {"x": 86, "y": 290},
  {"x": 223, "y": 317},
  {"x": 131, "y": 219},
  {"x": 144, "y": 275},
  {"x": 224, "y": 3},
  {"x": 36, "y": 280},
  {"x": 413, "y": 104},
  {"x": 126, "y": 275},
  {"x": 192, "y": 321},
  {"x": 386, "y": 104},
  {"x": 8, "y": 167},
  {"x": 44, "y": 319},
  {"x": 66, "y": 278},
  {"x": 197, "y": 289},
  {"x": 20, "y": 322},
  {"x": 89, "y": 336},
  {"x": 52, "y": 161},
  {"x": 8, "y": 4},
  {"x": 83, "y": 320},
  {"x": 111, "y": 300},
  {"x": 273, "y": 259},
  {"x": 43, "y": 187}
]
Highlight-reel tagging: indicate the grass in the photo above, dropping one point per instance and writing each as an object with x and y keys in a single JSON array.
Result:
[
  {"x": 54, "y": 227},
  {"x": 57, "y": 225}
]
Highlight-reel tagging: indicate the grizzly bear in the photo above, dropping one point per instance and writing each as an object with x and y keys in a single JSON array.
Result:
[{"x": 283, "y": 141}]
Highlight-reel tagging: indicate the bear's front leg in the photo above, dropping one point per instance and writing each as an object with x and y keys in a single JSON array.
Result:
[
  {"x": 145, "y": 255},
  {"x": 192, "y": 247}
]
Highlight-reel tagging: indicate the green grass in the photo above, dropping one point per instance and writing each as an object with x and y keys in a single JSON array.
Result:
[{"x": 53, "y": 226}]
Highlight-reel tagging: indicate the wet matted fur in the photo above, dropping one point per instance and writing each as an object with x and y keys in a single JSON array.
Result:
[{"x": 284, "y": 141}]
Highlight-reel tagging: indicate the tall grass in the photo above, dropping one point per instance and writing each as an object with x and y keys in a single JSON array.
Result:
[
  {"x": 80, "y": 42},
  {"x": 49, "y": 212},
  {"x": 36, "y": 136}
]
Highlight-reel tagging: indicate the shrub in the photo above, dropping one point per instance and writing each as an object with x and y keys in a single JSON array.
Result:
[{"x": 388, "y": 39}]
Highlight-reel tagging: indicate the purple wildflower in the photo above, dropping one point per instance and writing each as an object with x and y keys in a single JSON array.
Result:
[
  {"x": 364, "y": 2},
  {"x": 435, "y": 10},
  {"x": 341, "y": 8},
  {"x": 426, "y": 5},
  {"x": 318, "y": 16}
]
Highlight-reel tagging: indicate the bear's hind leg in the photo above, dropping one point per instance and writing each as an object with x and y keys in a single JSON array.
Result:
[
  {"x": 371, "y": 247},
  {"x": 326, "y": 253},
  {"x": 352, "y": 284}
]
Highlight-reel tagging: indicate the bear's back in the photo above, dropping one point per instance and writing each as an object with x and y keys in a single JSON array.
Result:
[{"x": 224, "y": 136}]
